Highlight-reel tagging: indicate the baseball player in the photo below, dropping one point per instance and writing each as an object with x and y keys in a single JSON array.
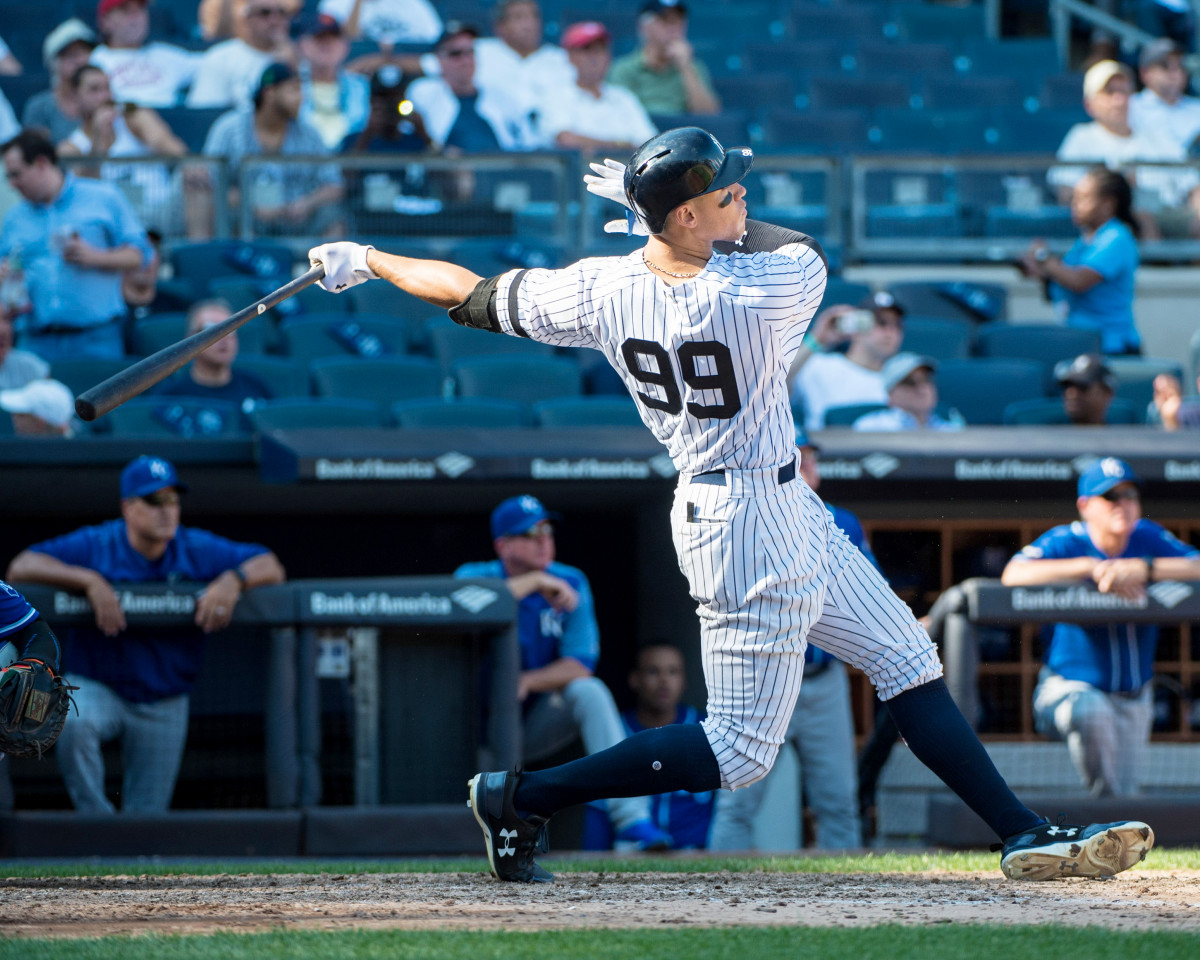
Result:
[
  {"x": 701, "y": 323},
  {"x": 23, "y": 632}
]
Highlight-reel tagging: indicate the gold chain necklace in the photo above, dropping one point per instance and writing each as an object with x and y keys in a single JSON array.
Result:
[{"x": 677, "y": 276}]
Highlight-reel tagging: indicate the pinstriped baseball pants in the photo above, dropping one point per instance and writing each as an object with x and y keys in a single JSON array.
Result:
[{"x": 769, "y": 570}]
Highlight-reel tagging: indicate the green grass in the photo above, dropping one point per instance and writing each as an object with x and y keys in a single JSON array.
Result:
[
  {"x": 940, "y": 942},
  {"x": 1178, "y": 858}
]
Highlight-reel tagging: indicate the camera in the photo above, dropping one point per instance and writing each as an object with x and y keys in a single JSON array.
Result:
[{"x": 856, "y": 321}]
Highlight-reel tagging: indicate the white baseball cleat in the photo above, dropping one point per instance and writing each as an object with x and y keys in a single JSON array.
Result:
[{"x": 1053, "y": 850}]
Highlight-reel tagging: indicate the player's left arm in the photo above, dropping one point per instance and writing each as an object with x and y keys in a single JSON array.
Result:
[{"x": 243, "y": 567}]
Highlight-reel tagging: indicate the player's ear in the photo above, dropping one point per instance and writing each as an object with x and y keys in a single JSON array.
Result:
[{"x": 685, "y": 216}]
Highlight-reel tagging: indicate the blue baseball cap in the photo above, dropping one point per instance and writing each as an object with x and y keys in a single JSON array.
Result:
[
  {"x": 147, "y": 475},
  {"x": 518, "y": 514},
  {"x": 1105, "y": 474},
  {"x": 803, "y": 439}
]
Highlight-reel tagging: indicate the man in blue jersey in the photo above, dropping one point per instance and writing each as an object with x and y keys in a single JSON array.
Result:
[
  {"x": 561, "y": 700},
  {"x": 1094, "y": 690},
  {"x": 821, "y": 729},
  {"x": 134, "y": 684}
]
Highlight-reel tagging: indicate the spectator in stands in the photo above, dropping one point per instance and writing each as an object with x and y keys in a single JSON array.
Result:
[
  {"x": 912, "y": 398},
  {"x": 295, "y": 199},
  {"x": 1092, "y": 286},
  {"x": 874, "y": 331},
  {"x": 1095, "y": 689},
  {"x": 148, "y": 73},
  {"x": 74, "y": 238},
  {"x": 518, "y": 60},
  {"x": 663, "y": 72},
  {"x": 657, "y": 682},
  {"x": 220, "y": 19},
  {"x": 1174, "y": 412},
  {"x": 212, "y": 376},
  {"x": 229, "y": 72},
  {"x": 387, "y": 22},
  {"x": 821, "y": 729},
  {"x": 134, "y": 683},
  {"x": 590, "y": 115},
  {"x": 1108, "y": 139},
  {"x": 394, "y": 125},
  {"x": 335, "y": 102},
  {"x": 65, "y": 49},
  {"x": 41, "y": 408},
  {"x": 1163, "y": 107},
  {"x": 17, "y": 367},
  {"x": 1088, "y": 387},
  {"x": 110, "y": 130},
  {"x": 10, "y": 66},
  {"x": 561, "y": 699},
  {"x": 459, "y": 115},
  {"x": 1173, "y": 19},
  {"x": 9, "y": 127}
]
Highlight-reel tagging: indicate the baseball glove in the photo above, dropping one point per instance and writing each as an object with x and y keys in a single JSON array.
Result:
[{"x": 33, "y": 707}]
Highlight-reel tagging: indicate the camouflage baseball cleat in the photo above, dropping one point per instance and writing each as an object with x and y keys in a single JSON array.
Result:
[
  {"x": 511, "y": 840},
  {"x": 1052, "y": 850}
]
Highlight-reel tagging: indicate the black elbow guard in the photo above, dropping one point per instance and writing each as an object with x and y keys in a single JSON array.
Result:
[
  {"x": 764, "y": 237},
  {"x": 479, "y": 309}
]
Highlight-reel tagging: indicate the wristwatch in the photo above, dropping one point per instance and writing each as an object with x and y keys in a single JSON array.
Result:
[{"x": 1041, "y": 254}]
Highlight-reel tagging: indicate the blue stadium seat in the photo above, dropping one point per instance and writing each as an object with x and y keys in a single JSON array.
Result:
[
  {"x": 845, "y": 414},
  {"x": 20, "y": 88},
  {"x": 1027, "y": 60},
  {"x": 980, "y": 389},
  {"x": 875, "y": 57},
  {"x": 191, "y": 124},
  {"x": 747, "y": 18},
  {"x": 838, "y": 290},
  {"x": 1049, "y": 412},
  {"x": 284, "y": 377},
  {"x": 1023, "y": 132},
  {"x": 924, "y": 131},
  {"x": 523, "y": 379},
  {"x": 1049, "y": 221},
  {"x": 1043, "y": 342},
  {"x": 748, "y": 92},
  {"x": 952, "y": 300},
  {"x": 840, "y": 92},
  {"x": 728, "y": 126},
  {"x": 484, "y": 413},
  {"x": 175, "y": 417},
  {"x": 843, "y": 21},
  {"x": 1062, "y": 91},
  {"x": 957, "y": 92},
  {"x": 303, "y": 413},
  {"x": 936, "y": 21},
  {"x": 938, "y": 337},
  {"x": 796, "y": 56},
  {"x": 817, "y": 131},
  {"x": 450, "y": 342},
  {"x": 602, "y": 411},
  {"x": 314, "y": 335},
  {"x": 913, "y": 220},
  {"x": 198, "y": 263},
  {"x": 80, "y": 373},
  {"x": 381, "y": 379},
  {"x": 383, "y": 299},
  {"x": 1135, "y": 378}
]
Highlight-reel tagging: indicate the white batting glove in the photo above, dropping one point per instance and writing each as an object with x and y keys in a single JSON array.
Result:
[
  {"x": 608, "y": 182},
  {"x": 345, "y": 265}
]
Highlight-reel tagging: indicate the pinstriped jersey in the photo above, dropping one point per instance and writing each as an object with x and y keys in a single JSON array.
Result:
[{"x": 706, "y": 360}]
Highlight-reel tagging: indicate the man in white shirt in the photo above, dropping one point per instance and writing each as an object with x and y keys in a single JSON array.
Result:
[
  {"x": 228, "y": 73},
  {"x": 591, "y": 115},
  {"x": 1162, "y": 106},
  {"x": 386, "y": 21},
  {"x": 912, "y": 398},
  {"x": 516, "y": 60},
  {"x": 148, "y": 74},
  {"x": 874, "y": 331},
  {"x": 458, "y": 114},
  {"x": 1109, "y": 139}
]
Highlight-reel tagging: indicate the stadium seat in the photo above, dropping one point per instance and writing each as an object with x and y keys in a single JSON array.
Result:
[
  {"x": 843, "y": 21},
  {"x": 958, "y": 92},
  {"x": 284, "y": 377},
  {"x": 1044, "y": 342},
  {"x": 918, "y": 221},
  {"x": 917, "y": 22},
  {"x": 924, "y": 131},
  {"x": 601, "y": 411},
  {"x": 484, "y": 413},
  {"x": 313, "y": 335},
  {"x": 296, "y": 413},
  {"x": 840, "y": 92},
  {"x": 80, "y": 373},
  {"x": 749, "y": 91},
  {"x": 838, "y": 290},
  {"x": 874, "y": 57},
  {"x": 383, "y": 299},
  {"x": 449, "y": 342},
  {"x": 729, "y": 126},
  {"x": 747, "y": 18},
  {"x": 981, "y": 388},
  {"x": 18, "y": 89},
  {"x": 175, "y": 417},
  {"x": 198, "y": 263},
  {"x": 191, "y": 124},
  {"x": 1135, "y": 378},
  {"x": 952, "y": 300},
  {"x": 151, "y": 333},
  {"x": 381, "y": 379},
  {"x": 524, "y": 379},
  {"x": 1027, "y": 60},
  {"x": 1049, "y": 412},
  {"x": 845, "y": 414},
  {"x": 1019, "y": 131},
  {"x": 796, "y": 56},
  {"x": 939, "y": 337},
  {"x": 1050, "y": 222},
  {"x": 816, "y": 131},
  {"x": 1062, "y": 91}
]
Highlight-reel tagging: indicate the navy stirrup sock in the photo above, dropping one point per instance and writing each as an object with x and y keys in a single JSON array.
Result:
[
  {"x": 674, "y": 757},
  {"x": 940, "y": 737}
]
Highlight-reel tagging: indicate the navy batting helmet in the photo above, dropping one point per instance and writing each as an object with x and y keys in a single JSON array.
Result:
[{"x": 679, "y": 165}]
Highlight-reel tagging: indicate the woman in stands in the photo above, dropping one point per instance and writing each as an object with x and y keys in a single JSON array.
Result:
[{"x": 1092, "y": 285}]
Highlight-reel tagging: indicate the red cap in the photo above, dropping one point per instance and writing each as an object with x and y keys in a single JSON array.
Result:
[
  {"x": 105, "y": 5},
  {"x": 579, "y": 35}
]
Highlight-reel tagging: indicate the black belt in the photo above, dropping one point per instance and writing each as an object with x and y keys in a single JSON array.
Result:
[
  {"x": 814, "y": 668},
  {"x": 786, "y": 474},
  {"x": 59, "y": 330}
]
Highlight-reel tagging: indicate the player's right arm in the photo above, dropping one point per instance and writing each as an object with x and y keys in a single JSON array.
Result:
[
  {"x": 37, "y": 567},
  {"x": 1024, "y": 572}
]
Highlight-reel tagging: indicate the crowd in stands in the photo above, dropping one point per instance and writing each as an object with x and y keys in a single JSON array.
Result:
[{"x": 289, "y": 78}]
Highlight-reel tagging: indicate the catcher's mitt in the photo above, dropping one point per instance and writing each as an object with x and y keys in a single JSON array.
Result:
[{"x": 33, "y": 707}]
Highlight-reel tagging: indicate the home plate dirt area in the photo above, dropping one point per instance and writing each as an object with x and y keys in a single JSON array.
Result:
[{"x": 99, "y": 906}]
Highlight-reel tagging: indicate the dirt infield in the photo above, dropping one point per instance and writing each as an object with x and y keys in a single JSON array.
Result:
[{"x": 97, "y": 906}]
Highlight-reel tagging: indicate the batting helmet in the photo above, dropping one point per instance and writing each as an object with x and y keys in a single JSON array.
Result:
[{"x": 679, "y": 165}]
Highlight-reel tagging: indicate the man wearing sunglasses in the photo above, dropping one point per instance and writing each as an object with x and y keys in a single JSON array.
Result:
[
  {"x": 134, "y": 684},
  {"x": 560, "y": 698},
  {"x": 228, "y": 73},
  {"x": 1094, "y": 690}
]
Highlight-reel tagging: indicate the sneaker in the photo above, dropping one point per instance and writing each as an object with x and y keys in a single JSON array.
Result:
[
  {"x": 511, "y": 840},
  {"x": 1053, "y": 850},
  {"x": 642, "y": 835}
]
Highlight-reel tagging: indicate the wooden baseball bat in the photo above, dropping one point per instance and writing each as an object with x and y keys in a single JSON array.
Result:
[{"x": 138, "y": 377}]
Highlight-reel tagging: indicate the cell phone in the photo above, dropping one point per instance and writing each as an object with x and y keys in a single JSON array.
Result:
[{"x": 856, "y": 321}]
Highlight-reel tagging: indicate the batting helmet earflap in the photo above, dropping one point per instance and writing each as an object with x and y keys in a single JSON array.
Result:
[{"x": 679, "y": 165}]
